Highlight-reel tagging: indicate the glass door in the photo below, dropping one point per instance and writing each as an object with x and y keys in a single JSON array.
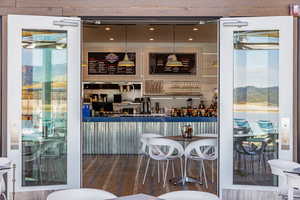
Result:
[
  {"x": 44, "y": 101},
  {"x": 256, "y": 99}
]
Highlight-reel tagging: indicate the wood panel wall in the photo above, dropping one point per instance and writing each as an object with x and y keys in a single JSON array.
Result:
[{"x": 147, "y": 7}]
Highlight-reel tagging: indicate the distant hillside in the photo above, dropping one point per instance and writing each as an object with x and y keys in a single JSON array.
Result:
[{"x": 253, "y": 94}]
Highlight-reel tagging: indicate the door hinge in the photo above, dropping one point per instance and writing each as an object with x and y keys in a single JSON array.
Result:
[{"x": 66, "y": 22}]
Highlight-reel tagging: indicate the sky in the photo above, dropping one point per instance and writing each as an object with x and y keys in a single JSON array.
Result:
[
  {"x": 34, "y": 57},
  {"x": 257, "y": 68}
]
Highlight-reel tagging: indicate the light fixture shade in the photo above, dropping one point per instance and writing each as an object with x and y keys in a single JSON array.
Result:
[
  {"x": 126, "y": 62},
  {"x": 173, "y": 62}
]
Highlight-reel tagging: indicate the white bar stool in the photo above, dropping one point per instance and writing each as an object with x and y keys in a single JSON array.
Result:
[
  {"x": 5, "y": 167},
  {"x": 144, "y": 149},
  {"x": 201, "y": 150},
  {"x": 162, "y": 149}
]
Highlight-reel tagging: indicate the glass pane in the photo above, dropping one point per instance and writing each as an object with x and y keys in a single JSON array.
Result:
[
  {"x": 44, "y": 107},
  {"x": 256, "y": 108}
]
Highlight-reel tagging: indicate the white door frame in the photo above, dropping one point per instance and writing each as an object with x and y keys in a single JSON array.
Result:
[
  {"x": 285, "y": 27},
  {"x": 14, "y": 87}
]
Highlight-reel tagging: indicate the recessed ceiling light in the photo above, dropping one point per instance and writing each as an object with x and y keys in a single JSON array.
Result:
[
  {"x": 195, "y": 29},
  {"x": 111, "y": 39},
  {"x": 97, "y": 22},
  {"x": 107, "y": 28},
  {"x": 151, "y": 29},
  {"x": 151, "y": 39},
  {"x": 190, "y": 39}
]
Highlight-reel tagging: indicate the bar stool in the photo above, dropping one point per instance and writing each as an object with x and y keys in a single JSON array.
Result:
[
  {"x": 5, "y": 165},
  {"x": 200, "y": 150},
  {"x": 81, "y": 194},
  {"x": 188, "y": 195},
  {"x": 144, "y": 150},
  {"x": 162, "y": 149}
]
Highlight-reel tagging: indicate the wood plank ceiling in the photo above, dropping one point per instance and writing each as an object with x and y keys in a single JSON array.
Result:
[
  {"x": 141, "y": 33},
  {"x": 147, "y": 7}
]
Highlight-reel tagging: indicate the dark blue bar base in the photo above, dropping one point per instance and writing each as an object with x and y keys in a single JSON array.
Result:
[{"x": 150, "y": 119}]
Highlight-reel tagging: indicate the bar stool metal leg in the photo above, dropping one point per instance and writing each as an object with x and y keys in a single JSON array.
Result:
[
  {"x": 185, "y": 168},
  {"x": 163, "y": 171},
  {"x": 166, "y": 173},
  {"x": 204, "y": 173},
  {"x": 146, "y": 170},
  {"x": 158, "y": 171},
  {"x": 153, "y": 169},
  {"x": 173, "y": 168},
  {"x": 140, "y": 163},
  {"x": 212, "y": 171}
]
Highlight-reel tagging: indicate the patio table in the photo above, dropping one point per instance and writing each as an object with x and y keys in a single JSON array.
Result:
[{"x": 294, "y": 171}]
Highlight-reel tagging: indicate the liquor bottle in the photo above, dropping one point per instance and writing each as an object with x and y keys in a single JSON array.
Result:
[{"x": 202, "y": 109}]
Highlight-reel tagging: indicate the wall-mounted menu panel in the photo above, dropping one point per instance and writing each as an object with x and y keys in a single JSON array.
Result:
[
  {"x": 158, "y": 64},
  {"x": 106, "y": 63},
  {"x": 153, "y": 87},
  {"x": 210, "y": 64}
]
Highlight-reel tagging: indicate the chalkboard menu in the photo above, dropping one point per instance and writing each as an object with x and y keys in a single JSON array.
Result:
[
  {"x": 158, "y": 61},
  {"x": 106, "y": 63}
]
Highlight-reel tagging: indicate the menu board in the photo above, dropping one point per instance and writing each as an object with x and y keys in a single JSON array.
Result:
[
  {"x": 106, "y": 63},
  {"x": 158, "y": 63}
]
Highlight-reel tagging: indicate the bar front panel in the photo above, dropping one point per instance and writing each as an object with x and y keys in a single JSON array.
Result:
[{"x": 124, "y": 137}]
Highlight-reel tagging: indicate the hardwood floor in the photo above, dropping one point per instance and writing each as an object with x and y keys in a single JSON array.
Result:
[{"x": 118, "y": 174}]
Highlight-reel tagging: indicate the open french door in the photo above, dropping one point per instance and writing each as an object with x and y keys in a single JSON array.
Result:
[
  {"x": 43, "y": 97},
  {"x": 256, "y": 99}
]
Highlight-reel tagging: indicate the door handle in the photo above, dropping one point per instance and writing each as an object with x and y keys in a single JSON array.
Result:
[{"x": 14, "y": 137}]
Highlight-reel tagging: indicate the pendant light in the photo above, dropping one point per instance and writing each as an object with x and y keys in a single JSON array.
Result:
[
  {"x": 172, "y": 59},
  {"x": 126, "y": 62}
]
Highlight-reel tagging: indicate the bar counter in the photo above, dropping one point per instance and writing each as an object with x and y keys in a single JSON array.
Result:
[{"x": 121, "y": 135}]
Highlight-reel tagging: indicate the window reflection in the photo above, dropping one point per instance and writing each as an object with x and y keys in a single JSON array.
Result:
[
  {"x": 256, "y": 106},
  {"x": 44, "y": 107}
]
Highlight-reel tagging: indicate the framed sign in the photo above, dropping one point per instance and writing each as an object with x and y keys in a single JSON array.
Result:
[
  {"x": 158, "y": 64},
  {"x": 106, "y": 63}
]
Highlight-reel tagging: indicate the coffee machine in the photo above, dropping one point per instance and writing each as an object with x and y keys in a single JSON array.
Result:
[{"x": 146, "y": 105}]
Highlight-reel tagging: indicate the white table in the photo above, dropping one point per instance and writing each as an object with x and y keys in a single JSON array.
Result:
[{"x": 138, "y": 197}]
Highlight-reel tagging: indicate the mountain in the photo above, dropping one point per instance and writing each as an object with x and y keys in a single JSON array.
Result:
[{"x": 251, "y": 94}]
